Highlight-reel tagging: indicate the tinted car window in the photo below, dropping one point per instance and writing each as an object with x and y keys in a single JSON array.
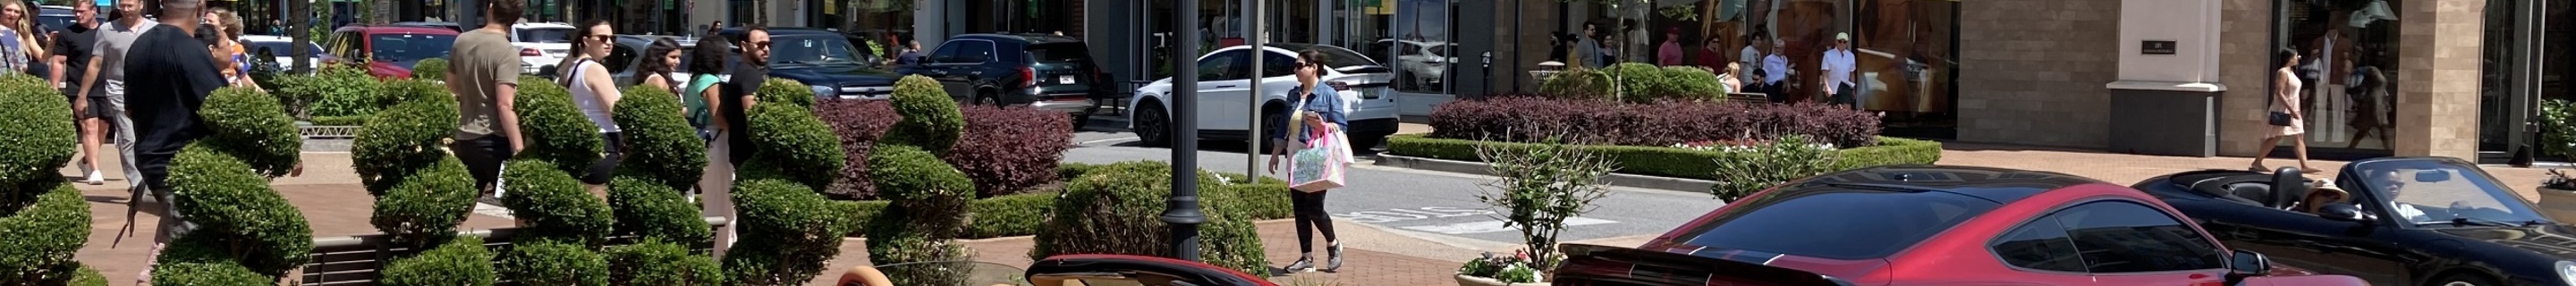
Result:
[
  {"x": 2119, "y": 236},
  {"x": 2039, "y": 244},
  {"x": 1838, "y": 224},
  {"x": 619, "y": 57},
  {"x": 408, "y": 47},
  {"x": 1059, "y": 53},
  {"x": 821, "y": 49},
  {"x": 1277, "y": 64},
  {"x": 972, "y": 51},
  {"x": 1223, "y": 66},
  {"x": 545, "y": 35}
]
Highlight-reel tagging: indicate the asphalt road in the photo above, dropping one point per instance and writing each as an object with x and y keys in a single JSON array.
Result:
[{"x": 1430, "y": 204}]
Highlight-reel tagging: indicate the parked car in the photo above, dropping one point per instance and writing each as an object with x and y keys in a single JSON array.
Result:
[
  {"x": 451, "y": 26},
  {"x": 2391, "y": 221},
  {"x": 823, "y": 60},
  {"x": 391, "y": 50},
  {"x": 1943, "y": 225},
  {"x": 1224, "y": 88},
  {"x": 1423, "y": 62},
  {"x": 279, "y": 51},
  {"x": 628, "y": 54},
  {"x": 1038, "y": 70},
  {"x": 541, "y": 46}
]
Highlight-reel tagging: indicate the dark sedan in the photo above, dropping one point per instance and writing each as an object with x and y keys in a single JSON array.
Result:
[
  {"x": 825, "y": 61},
  {"x": 2392, "y": 221}
]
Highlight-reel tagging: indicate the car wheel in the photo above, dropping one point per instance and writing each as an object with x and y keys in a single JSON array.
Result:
[
  {"x": 987, "y": 98},
  {"x": 1153, "y": 126},
  {"x": 1271, "y": 116},
  {"x": 2464, "y": 280}
]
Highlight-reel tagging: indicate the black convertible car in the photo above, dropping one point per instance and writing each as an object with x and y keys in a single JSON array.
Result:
[{"x": 2391, "y": 221}]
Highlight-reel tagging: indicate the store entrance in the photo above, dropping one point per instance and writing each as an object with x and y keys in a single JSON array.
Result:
[{"x": 2519, "y": 93}]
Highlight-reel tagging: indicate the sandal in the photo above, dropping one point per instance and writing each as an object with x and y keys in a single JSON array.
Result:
[{"x": 2257, "y": 168}]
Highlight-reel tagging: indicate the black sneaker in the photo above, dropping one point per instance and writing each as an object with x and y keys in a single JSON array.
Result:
[
  {"x": 1333, "y": 264},
  {"x": 1303, "y": 264}
]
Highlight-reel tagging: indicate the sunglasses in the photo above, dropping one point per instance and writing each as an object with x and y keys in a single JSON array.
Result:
[{"x": 604, "y": 38}]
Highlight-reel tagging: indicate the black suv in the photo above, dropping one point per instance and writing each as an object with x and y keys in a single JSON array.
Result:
[
  {"x": 1040, "y": 70},
  {"x": 824, "y": 60}
]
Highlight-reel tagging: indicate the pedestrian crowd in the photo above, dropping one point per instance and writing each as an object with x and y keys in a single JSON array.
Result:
[{"x": 1761, "y": 67}]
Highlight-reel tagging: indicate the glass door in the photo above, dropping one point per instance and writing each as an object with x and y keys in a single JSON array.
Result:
[{"x": 2346, "y": 71}]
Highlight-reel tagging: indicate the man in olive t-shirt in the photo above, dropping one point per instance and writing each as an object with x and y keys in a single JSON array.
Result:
[{"x": 484, "y": 74}]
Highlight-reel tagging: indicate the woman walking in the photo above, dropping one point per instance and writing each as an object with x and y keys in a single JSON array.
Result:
[
  {"x": 2285, "y": 118},
  {"x": 595, "y": 92},
  {"x": 1321, "y": 110},
  {"x": 18, "y": 45}
]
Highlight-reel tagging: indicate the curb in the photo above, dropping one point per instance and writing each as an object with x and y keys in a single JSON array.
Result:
[{"x": 1480, "y": 168}]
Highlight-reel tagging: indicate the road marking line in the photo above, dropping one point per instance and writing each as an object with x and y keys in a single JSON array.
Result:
[
  {"x": 1495, "y": 226},
  {"x": 1086, "y": 143}
]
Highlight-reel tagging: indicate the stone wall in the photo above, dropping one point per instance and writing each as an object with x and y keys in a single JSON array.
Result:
[
  {"x": 2438, "y": 75},
  {"x": 2245, "y": 68},
  {"x": 2032, "y": 71}
]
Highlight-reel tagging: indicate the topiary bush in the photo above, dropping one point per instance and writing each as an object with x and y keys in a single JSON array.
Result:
[
  {"x": 555, "y": 129},
  {"x": 657, "y": 263},
  {"x": 407, "y": 138},
  {"x": 461, "y": 261},
  {"x": 859, "y": 123},
  {"x": 237, "y": 215},
  {"x": 788, "y": 232},
  {"x": 1640, "y": 82},
  {"x": 552, "y": 262},
  {"x": 1007, "y": 150},
  {"x": 39, "y": 138},
  {"x": 1580, "y": 84},
  {"x": 1108, "y": 212},
  {"x": 795, "y": 144},
  {"x": 397, "y": 92},
  {"x": 660, "y": 145},
  {"x": 252, "y": 125},
  {"x": 1693, "y": 83},
  {"x": 429, "y": 69},
  {"x": 551, "y": 205},
  {"x": 426, "y": 205},
  {"x": 930, "y": 118},
  {"x": 646, "y": 208},
  {"x": 341, "y": 91},
  {"x": 926, "y": 208},
  {"x": 788, "y": 91},
  {"x": 44, "y": 219}
]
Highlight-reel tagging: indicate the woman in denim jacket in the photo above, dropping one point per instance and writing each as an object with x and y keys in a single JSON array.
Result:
[{"x": 1322, "y": 110}]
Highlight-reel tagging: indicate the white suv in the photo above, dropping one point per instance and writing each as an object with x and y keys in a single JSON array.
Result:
[
  {"x": 1225, "y": 95},
  {"x": 541, "y": 46}
]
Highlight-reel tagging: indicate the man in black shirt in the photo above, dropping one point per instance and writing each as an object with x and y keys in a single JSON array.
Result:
[
  {"x": 165, "y": 109},
  {"x": 747, "y": 75},
  {"x": 71, "y": 52}
]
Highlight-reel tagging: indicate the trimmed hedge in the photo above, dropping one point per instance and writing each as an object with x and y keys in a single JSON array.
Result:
[
  {"x": 1009, "y": 150},
  {"x": 412, "y": 136},
  {"x": 788, "y": 232},
  {"x": 397, "y": 92},
  {"x": 426, "y": 205},
  {"x": 657, "y": 263},
  {"x": 1023, "y": 214},
  {"x": 927, "y": 207},
  {"x": 555, "y": 129},
  {"x": 552, "y": 204},
  {"x": 859, "y": 123},
  {"x": 1635, "y": 83},
  {"x": 648, "y": 209},
  {"x": 1527, "y": 118},
  {"x": 1107, "y": 212},
  {"x": 551, "y": 262},
  {"x": 460, "y": 261},
  {"x": 1672, "y": 161},
  {"x": 911, "y": 175},
  {"x": 795, "y": 144},
  {"x": 246, "y": 123},
  {"x": 661, "y": 147},
  {"x": 237, "y": 213},
  {"x": 39, "y": 139},
  {"x": 340, "y": 90},
  {"x": 207, "y": 274},
  {"x": 930, "y": 118},
  {"x": 782, "y": 90},
  {"x": 430, "y": 69},
  {"x": 44, "y": 234},
  {"x": 342, "y": 120}
]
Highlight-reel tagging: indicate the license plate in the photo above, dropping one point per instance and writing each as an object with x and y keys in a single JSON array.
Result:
[{"x": 1064, "y": 79}]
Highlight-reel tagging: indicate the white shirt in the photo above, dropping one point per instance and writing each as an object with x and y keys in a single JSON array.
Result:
[
  {"x": 1777, "y": 68},
  {"x": 1747, "y": 62},
  {"x": 2409, "y": 213},
  {"x": 1839, "y": 65}
]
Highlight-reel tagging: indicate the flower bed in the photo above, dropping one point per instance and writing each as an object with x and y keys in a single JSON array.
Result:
[{"x": 1674, "y": 161}]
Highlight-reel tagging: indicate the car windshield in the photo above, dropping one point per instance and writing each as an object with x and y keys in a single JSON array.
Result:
[
  {"x": 1838, "y": 224},
  {"x": 411, "y": 47},
  {"x": 546, "y": 35},
  {"x": 2430, "y": 192},
  {"x": 796, "y": 50}
]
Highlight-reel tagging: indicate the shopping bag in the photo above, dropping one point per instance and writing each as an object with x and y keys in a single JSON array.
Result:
[{"x": 1321, "y": 164}]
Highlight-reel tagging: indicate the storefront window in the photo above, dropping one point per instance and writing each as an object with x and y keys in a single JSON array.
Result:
[
  {"x": 2347, "y": 71},
  {"x": 1904, "y": 50}
]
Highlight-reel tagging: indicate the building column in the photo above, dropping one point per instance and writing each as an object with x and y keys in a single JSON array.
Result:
[
  {"x": 2245, "y": 64},
  {"x": 2437, "y": 98}
]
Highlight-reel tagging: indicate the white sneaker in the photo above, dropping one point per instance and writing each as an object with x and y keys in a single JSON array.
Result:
[{"x": 95, "y": 178}]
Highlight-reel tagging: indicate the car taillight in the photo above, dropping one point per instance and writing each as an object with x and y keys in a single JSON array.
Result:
[
  {"x": 530, "y": 52},
  {"x": 1028, "y": 77}
]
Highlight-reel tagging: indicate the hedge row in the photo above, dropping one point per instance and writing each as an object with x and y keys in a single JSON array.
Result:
[
  {"x": 1020, "y": 214},
  {"x": 859, "y": 123},
  {"x": 1535, "y": 118},
  {"x": 1107, "y": 211},
  {"x": 1672, "y": 161},
  {"x": 338, "y": 90},
  {"x": 1009, "y": 150},
  {"x": 1635, "y": 83}
]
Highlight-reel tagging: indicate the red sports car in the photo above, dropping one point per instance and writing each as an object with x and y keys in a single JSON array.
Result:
[{"x": 1935, "y": 225}]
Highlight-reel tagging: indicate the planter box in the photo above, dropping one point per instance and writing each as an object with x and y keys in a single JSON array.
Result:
[
  {"x": 1464, "y": 280},
  {"x": 2558, "y": 204}
]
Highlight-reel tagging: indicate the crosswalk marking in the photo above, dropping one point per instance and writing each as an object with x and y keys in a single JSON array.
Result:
[{"x": 1495, "y": 226}]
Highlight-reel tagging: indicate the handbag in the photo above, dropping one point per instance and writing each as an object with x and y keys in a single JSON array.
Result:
[
  {"x": 1320, "y": 163},
  {"x": 2280, "y": 118}
]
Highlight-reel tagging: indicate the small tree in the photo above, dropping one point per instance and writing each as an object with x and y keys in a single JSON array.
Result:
[{"x": 1540, "y": 187}]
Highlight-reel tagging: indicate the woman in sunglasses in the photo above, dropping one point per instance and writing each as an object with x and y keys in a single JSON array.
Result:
[
  {"x": 1320, "y": 109},
  {"x": 595, "y": 91}
]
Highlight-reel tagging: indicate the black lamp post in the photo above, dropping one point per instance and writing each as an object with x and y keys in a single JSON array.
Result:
[{"x": 1183, "y": 212}]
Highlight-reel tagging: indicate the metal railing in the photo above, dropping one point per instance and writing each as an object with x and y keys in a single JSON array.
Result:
[
  {"x": 355, "y": 260},
  {"x": 329, "y": 132}
]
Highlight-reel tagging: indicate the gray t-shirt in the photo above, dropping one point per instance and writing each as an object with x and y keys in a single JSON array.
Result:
[
  {"x": 112, "y": 45},
  {"x": 482, "y": 60}
]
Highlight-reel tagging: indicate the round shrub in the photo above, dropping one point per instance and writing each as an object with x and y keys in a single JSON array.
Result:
[
  {"x": 788, "y": 232},
  {"x": 426, "y": 204},
  {"x": 651, "y": 210},
  {"x": 927, "y": 207},
  {"x": 238, "y": 212},
  {"x": 254, "y": 128},
  {"x": 430, "y": 69},
  {"x": 342, "y": 91},
  {"x": 1694, "y": 83},
  {"x": 557, "y": 133},
  {"x": 781, "y": 90},
  {"x": 462, "y": 261},
  {"x": 87, "y": 276},
  {"x": 910, "y": 176},
  {"x": 206, "y": 274},
  {"x": 657, "y": 263},
  {"x": 39, "y": 138},
  {"x": 397, "y": 92},
  {"x": 548, "y": 262},
  {"x": 404, "y": 139},
  {"x": 1640, "y": 82},
  {"x": 796, "y": 144},
  {"x": 44, "y": 234},
  {"x": 1118, "y": 212},
  {"x": 1580, "y": 83},
  {"x": 859, "y": 123},
  {"x": 930, "y": 118},
  {"x": 552, "y": 204},
  {"x": 660, "y": 145}
]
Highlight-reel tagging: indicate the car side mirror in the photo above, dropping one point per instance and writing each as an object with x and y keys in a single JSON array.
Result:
[
  {"x": 2345, "y": 213},
  {"x": 2248, "y": 264}
]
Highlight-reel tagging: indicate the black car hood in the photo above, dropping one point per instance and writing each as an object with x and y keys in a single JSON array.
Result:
[
  {"x": 836, "y": 75},
  {"x": 2554, "y": 240}
]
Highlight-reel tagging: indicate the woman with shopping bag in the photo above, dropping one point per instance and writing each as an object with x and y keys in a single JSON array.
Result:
[{"x": 1320, "y": 157}]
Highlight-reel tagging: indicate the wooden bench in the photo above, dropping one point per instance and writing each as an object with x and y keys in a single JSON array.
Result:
[
  {"x": 354, "y": 260},
  {"x": 1748, "y": 98}
]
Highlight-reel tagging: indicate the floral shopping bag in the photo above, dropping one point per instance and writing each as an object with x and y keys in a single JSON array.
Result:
[{"x": 1321, "y": 164}]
